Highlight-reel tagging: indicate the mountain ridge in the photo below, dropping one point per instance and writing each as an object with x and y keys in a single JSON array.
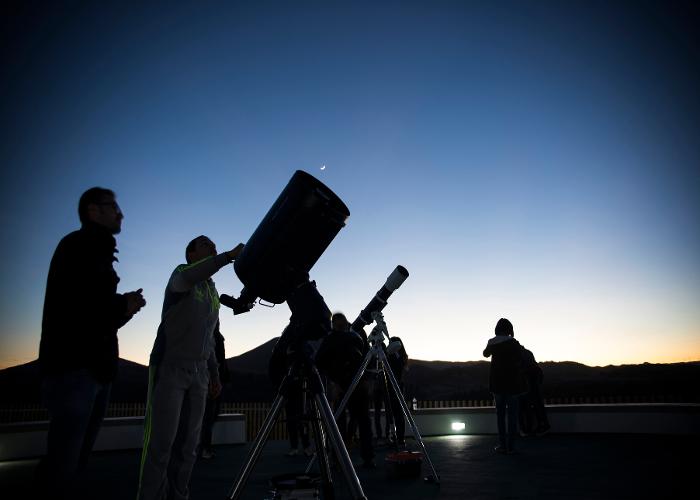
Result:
[{"x": 425, "y": 380}]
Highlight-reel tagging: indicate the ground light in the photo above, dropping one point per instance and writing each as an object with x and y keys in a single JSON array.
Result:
[{"x": 458, "y": 426}]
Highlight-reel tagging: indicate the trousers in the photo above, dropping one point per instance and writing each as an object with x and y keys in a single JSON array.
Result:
[
  {"x": 77, "y": 404},
  {"x": 176, "y": 402},
  {"x": 507, "y": 404}
]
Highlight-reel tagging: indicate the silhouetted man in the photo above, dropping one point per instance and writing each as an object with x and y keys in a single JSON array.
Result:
[
  {"x": 79, "y": 352},
  {"x": 182, "y": 370}
]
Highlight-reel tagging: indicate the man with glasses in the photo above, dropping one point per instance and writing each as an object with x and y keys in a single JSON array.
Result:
[{"x": 79, "y": 353}]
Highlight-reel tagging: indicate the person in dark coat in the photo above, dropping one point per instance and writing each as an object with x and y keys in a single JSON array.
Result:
[
  {"x": 79, "y": 352},
  {"x": 398, "y": 363},
  {"x": 281, "y": 359},
  {"x": 533, "y": 416},
  {"x": 339, "y": 357},
  {"x": 506, "y": 382},
  {"x": 211, "y": 412},
  {"x": 377, "y": 390}
]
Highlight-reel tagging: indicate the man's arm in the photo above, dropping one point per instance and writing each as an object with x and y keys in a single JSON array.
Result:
[{"x": 189, "y": 275}]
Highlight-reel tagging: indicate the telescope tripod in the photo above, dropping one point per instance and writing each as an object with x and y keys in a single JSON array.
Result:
[
  {"x": 376, "y": 339},
  {"x": 323, "y": 425}
]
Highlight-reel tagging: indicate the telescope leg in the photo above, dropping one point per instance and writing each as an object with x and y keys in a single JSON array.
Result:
[
  {"x": 346, "y": 397},
  {"x": 334, "y": 437},
  {"x": 257, "y": 448},
  {"x": 397, "y": 390},
  {"x": 355, "y": 381},
  {"x": 319, "y": 440}
]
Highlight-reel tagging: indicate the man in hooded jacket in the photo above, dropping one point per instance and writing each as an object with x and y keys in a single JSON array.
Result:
[{"x": 506, "y": 381}]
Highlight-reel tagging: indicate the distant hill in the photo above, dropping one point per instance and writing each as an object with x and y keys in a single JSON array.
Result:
[
  {"x": 425, "y": 380},
  {"x": 22, "y": 383},
  {"x": 253, "y": 361},
  {"x": 440, "y": 380}
]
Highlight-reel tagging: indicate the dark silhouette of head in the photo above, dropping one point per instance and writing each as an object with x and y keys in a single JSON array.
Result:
[
  {"x": 199, "y": 248},
  {"x": 340, "y": 323},
  {"x": 504, "y": 327},
  {"x": 98, "y": 206}
]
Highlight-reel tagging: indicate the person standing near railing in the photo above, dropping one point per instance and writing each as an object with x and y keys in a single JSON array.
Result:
[
  {"x": 79, "y": 351},
  {"x": 533, "y": 416},
  {"x": 398, "y": 363},
  {"x": 506, "y": 382}
]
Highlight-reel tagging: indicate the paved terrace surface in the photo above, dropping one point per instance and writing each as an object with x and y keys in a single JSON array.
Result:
[{"x": 550, "y": 467}]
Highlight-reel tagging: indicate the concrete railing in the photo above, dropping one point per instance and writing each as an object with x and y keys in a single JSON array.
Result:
[
  {"x": 597, "y": 419},
  {"x": 29, "y": 439}
]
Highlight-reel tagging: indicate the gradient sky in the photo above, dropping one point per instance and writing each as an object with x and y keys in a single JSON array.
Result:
[{"x": 537, "y": 161}]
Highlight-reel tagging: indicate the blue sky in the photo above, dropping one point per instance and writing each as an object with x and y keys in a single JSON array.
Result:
[{"x": 529, "y": 160}]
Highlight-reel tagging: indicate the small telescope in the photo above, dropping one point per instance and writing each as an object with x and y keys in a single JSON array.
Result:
[{"x": 379, "y": 301}]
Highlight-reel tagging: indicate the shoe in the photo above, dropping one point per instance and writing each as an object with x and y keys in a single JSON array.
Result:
[
  {"x": 292, "y": 453},
  {"x": 309, "y": 451},
  {"x": 501, "y": 449},
  {"x": 207, "y": 453},
  {"x": 541, "y": 431}
]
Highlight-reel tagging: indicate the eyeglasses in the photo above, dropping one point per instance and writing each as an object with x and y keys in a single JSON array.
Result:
[{"x": 112, "y": 204}]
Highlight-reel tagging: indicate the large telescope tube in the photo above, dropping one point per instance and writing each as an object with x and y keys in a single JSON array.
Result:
[
  {"x": 290, "y": 239},
  {"x": 379, "y": 301}
]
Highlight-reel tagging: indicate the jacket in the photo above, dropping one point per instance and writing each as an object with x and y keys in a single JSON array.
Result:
[
  {"x": 507, "y": 374},
  {"x": 340, "y": 356},
  {"x": 82, "y": 309},
  {"x": 190, "y": 314}
]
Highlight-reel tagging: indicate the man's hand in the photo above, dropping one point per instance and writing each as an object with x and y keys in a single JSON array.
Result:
[
  {"x": 134, "y": 302},
  {"x": 232, "y": 254},
  {"x": 214, "y": 388}
]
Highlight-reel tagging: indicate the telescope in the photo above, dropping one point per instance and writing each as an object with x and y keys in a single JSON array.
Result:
[
  {"x": 274, "y": 265},
  {"x": 379, "y": 301}
]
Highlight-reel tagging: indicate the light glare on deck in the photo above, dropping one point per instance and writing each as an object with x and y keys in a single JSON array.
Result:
[{"x": 458, "y": 426}]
